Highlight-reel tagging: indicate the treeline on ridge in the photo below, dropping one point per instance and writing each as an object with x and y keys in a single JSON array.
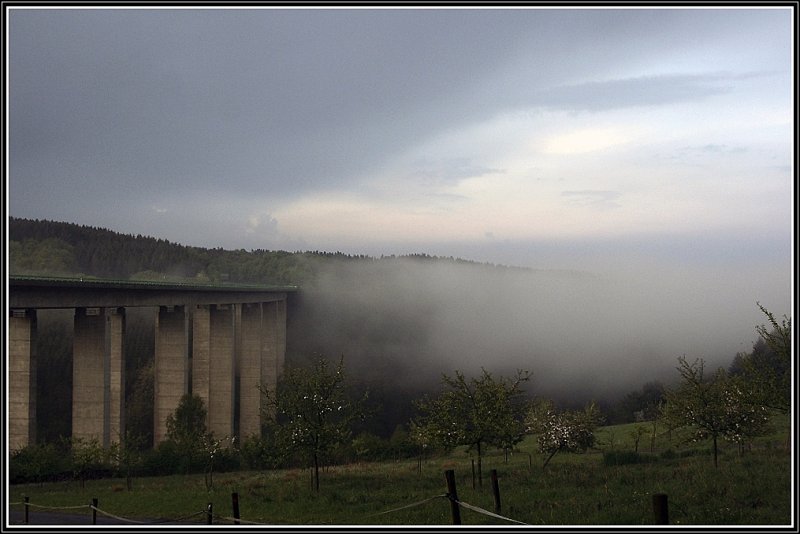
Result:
[{"x": 49, "y": 248}]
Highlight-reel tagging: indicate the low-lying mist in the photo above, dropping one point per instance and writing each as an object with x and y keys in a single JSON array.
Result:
[{"x": 400, "y": 323}]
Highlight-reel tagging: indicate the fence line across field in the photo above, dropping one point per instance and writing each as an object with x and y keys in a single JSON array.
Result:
[
  {"x": 239, "y": 520},
  {"x": 660, "y": 508},
  {"x": 162, "y": 521},
  {"x": 77, "y": 506},
  {"x": 412, "y": 505},
  {"x": 487, "y": 512},
  {"x": 204, "y": 512},
  {"x": 94, "y": 508}
]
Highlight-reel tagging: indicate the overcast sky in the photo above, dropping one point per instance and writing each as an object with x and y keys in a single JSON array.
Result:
[{"x": 587, "y": 139}]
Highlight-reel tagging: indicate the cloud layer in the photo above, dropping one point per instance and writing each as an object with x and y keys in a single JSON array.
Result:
[{"x": 482, "y": 133}]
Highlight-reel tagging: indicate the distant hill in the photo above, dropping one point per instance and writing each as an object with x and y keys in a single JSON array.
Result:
[{"x": 42, "y": 247}]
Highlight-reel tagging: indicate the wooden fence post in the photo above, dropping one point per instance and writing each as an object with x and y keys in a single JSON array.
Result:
[
  {"x": 661, "y": 509},
  {"x": 209, "y": 513},
  {"x": 27, "y": 500},
  {"x": 496, "y": 491},
  {"x": 94, "y": 511},
  {"x": 452, "y": 495},
  {"x": 235, "y": 499}
]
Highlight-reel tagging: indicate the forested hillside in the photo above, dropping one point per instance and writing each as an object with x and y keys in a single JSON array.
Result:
[
  {"x": 65, "y": 249},
  {"x": 58, "y": 248},
  {"x": 336, "y": 313}
]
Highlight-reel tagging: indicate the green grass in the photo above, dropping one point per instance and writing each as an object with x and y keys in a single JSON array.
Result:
[{"x": 576, "y": 489}]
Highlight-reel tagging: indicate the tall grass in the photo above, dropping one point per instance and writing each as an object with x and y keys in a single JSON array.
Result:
[{"x": 752, "y": 488}]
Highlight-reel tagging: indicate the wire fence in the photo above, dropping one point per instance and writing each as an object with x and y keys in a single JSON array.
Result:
[
  {"x": 660, "y": 506},
  {"x": 106, "y": 513},
  {"x": 239, "y": 520},
  {"x": 412, "y": 505},
  {"x": 487, "y": 512}
]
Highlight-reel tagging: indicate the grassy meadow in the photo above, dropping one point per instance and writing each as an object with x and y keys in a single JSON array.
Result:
[{"x": 599, "y": 487}]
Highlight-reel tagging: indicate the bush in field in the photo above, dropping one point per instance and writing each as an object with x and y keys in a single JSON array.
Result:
[
  {"x": 37, "y": 463},
  {"x": 88, "y": 459},
  {"x": 261, "y": 452},
  {"x": 369, "y": 447},
  {"x": 401, "y": 444},
  {"x": 186, "y": 429},
  {"x": 126, "y": 456},
  {"x": 627, "y": 457},
  {"x": 165, "y": 459}
]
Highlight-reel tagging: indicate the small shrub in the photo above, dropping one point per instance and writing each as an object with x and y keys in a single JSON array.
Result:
[
  {"x": 697, "y": 452},
  {"x": 164, "y": 460},
  {"x": 37, "y": 463},
  {"x": 369, "y": 447},
  {"x": 228, "y": 459},
  {"x": 627, "y": 457},
  {"x": 259, "y": 453}
]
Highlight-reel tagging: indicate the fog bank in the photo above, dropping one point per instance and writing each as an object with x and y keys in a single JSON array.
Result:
[{"x": 400, "y": 323}]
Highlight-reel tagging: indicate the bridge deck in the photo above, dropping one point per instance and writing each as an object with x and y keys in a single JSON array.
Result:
[{"x": 44, "y": 292}]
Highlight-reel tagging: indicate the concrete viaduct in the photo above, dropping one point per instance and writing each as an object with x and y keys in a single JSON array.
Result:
[{"x": 206, "y": 334}]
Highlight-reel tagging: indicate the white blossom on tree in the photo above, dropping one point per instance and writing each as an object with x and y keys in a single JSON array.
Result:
[
  {"x": 720, "y": 407},
  {"x": 311, "y": 411},
  {"x": 567, "y": 431}
]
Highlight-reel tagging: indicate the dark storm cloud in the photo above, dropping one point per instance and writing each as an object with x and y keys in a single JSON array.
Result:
[
  {"x": 282, "y": 100},
  {"x": 146, "y": 103}
]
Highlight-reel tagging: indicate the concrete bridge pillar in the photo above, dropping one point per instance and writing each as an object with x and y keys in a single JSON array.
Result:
[
  {"x": 250, "y": 364},
  {"x": 213, "y": 361},
  {"x": 21, "y": 379},
  {"x": 98, "y": 395},
  {"x": 274, "y": 342},
  {"x": 171, "y": 380},
  {"x": 116, "y": 344},
  {"x": 281, "y": 337}
]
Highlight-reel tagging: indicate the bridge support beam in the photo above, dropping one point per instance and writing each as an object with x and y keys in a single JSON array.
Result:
[
  {"x": 273, "y": 342},
  {"x": 213, "y": 364},
  {"x": 251, "y": 361},
  {"x": 171, "y": 380},
  {"x": 21, "y": 379},
  {"x": 115, "y": 319},
  {"x": 98, "y": 375}
]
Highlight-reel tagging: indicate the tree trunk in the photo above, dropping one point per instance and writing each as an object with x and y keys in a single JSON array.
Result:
[
  {"x": 316, "y": 472},
  {"x": 653, "y": 438},
  {"x": 480, "y": 477},
  {"x": 548, "y": 458},
  {"x": 715, "y": 450}
]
